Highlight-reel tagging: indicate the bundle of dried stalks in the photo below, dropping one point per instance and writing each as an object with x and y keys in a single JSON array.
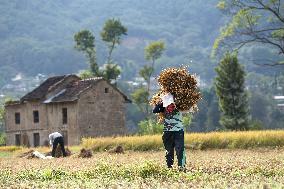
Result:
[
  {"x": 85, "y": 153},
  {"x": 182, "y": 85}
]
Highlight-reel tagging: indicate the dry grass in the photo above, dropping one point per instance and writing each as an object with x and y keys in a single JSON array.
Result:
[
  {"x": 10, "y": 148},
  {"x": 206, "y": 169},
  {"x": 213, "y": 140}
]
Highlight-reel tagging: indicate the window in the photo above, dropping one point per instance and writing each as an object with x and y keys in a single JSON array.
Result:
[
  {"x": 106, "y": 90},
  {"x": 17, "y": 118},
  {"x": 18, "y": 139},
  {"x": 36, "y": 116},
  {"x": 64, "y": 115}
]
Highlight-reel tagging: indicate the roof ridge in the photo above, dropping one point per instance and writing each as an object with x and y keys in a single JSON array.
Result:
[{"x": 92, "y": 79}]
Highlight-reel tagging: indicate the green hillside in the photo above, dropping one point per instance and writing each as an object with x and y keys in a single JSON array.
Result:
[{"x": 37, "y": 36}]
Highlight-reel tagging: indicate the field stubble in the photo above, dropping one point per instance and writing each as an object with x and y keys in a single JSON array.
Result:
[{"x": 256, "y": 168}]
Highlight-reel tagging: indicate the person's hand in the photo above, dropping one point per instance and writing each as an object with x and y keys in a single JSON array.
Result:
[{"x": 170, "y": 108}]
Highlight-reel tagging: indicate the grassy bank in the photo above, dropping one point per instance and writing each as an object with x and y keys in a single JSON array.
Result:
[{"x": 213, "y": 140}]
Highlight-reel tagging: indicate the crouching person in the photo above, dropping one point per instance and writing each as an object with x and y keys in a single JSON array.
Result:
[{"x": 55, "y": 139}]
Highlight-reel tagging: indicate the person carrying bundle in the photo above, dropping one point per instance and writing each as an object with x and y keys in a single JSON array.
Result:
[
  {"x": 173, "y": 135},
  {"x": 178, "y": 94}
]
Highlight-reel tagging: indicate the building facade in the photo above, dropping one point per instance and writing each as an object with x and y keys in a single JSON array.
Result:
[{"x": 76, "y": 108}]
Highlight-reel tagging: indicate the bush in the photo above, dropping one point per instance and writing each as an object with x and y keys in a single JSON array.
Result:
[
  {"x": 256, "y": 125},
  {"x": 2, "y": 139},
  {"x": 149, "y": 127}
]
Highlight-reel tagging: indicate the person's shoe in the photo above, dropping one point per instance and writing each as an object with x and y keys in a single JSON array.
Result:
[{"x": 182, "y": 169}]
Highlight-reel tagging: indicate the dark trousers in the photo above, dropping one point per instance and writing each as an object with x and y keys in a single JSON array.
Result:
[
  {"x": 58, "y": 140},
  {"x": 174, "y": 140}
]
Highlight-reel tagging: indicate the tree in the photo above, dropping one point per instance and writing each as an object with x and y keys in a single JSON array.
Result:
[
  {"x": 152, "y": 52},
  {"x": 253, "y": 22},
  {"x": 85, "y": 74},
  {"x": 111, "y": 34},
  {"x": 230, "y": 89},
  {"x": 85, "y": 42},
  {"x": 213, "y": 113},
  {"x": 111, "y": 71},
  {"x": 140, "y": 97}
]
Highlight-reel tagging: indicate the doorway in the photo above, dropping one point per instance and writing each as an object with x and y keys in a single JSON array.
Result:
[{"x": 36, "y": 139}]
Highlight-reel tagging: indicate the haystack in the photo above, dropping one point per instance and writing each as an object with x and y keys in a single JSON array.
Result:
[
  {"x": 118, "y": 150},
  {"x": 29, "y": 154},
  {"x": 85, "y": 153}
]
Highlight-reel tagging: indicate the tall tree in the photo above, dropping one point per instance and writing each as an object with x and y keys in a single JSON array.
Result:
[
  {"x": 85, "y": 42},
  {"x": 230, "y": 89},
  {"x": 253, "y": 22},
  {"x": 152, "y": 52},
  {"x": 111, "y": 34}
]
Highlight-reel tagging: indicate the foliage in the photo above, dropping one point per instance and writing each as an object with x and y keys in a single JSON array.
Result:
[
  {"x": 256, "y": 125},
  {"x": 146, "y": 72},
  {"x": 47, "y": 48},
  {"x": 85, "y": 42},
  {"x": 2, "y": 139},
  {"x": 140, "y": 98},
  {"x": 111, "y": 71},
  {"x": 149, "y": 127},
  {"x": 253, "y": 22},
  {"x": 85, "y": 74},
  {"x": 111, "y": 34},
  {"x": 208, "y": 116},
  {"x": 230, "y": 89},
  {"x": 154, "y": 50},
  {"x": 186, "y": 120}
]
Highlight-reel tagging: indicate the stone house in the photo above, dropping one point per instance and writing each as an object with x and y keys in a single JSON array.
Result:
[{"x": 76, "y": 108}]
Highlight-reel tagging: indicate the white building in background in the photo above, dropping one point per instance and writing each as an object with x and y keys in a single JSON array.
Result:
[{"x": 280, "y": 102}]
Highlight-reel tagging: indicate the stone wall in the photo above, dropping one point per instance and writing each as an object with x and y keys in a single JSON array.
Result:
[
  {"x": 55, "y": 121},
  {"x": 50, "y": 120},
  {"x": 26, "y": 128},
  {"x": 101, "y": 111}
]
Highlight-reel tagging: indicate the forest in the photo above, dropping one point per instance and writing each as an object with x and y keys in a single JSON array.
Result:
[{"x": 38, "y": 37}]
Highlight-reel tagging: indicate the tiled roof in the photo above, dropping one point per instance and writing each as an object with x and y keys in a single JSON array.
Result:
[
  {"x": 73, "y": 90},
  {"x": 69, "y": 93},
  {"x": 40, "y": 92}
]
